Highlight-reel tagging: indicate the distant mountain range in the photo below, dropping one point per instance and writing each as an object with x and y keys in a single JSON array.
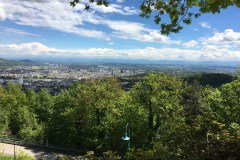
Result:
[
  {"x": 5, "y": 62},
  {"x": 26, "y": 61}
]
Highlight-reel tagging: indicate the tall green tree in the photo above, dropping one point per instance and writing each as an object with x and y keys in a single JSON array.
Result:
[
  {"x": 230, "y": 94},
  {"x": 22, "y": 122},
  {"x": 84, "y": 114},
  {"x": 159, "y": 94},
  {"x": 16, "y": 102},
  {"x": 104, "y": 94},
  {"x": 193, "y": 104},
  {"x": 32, "y": 100},
  {"x": 43, "y": 105},
  {"x": 4, "y": 114},
  {"x": 70, "y": 119}
]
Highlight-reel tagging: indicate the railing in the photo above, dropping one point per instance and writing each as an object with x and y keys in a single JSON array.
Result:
[
  {"x": 47, "y": 147},
  {"x": 11, "y": 140}
]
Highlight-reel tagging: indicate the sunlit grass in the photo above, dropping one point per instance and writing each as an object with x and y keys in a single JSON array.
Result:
[
  {"x": 6, "y": 157},
  {"x": 20, "y": 156}
]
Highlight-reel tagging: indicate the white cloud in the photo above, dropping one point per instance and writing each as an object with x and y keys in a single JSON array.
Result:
[
  {"x": 227, "y": 36},
  {"x": 155, "y": 36},
  {"x": 114, "y": 8},
  {"x": 217, "y": 52},
  {"x": 120, "y": 1},
  {"x": 205, "y": 25},
  {"x": 227, "y": 39},
  {"x": 208, "y": 52},
  {"x": 137, "y": 31},
  {"x": 58, "y": 15},
  {"x": 190, "y": 44},
  {"x": 53, "y": 14},
  {"x": 131, "y": 10},
  {"x": 24, "y": 49},
  {"x": 237, "y": 44},
  {"x": 16, "y": 31},
  {"x": 2, "y": 13}
]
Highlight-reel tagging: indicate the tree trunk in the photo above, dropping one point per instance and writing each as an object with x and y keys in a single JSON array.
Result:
[{"x": 150, "y": 123}]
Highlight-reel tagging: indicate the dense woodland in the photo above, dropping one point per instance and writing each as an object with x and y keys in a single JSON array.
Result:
[{"x": 169, "y": 118}]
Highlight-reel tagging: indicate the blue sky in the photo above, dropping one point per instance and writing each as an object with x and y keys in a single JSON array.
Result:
[{"x": 53, "y": 29}]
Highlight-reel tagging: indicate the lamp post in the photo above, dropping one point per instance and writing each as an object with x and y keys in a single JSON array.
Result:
[
  {"x": 14, "y": 149},
  {"x": 127, "y": 136}
]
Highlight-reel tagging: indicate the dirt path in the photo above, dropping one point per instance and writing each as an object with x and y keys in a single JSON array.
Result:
[
  {"x": 40, "y": 153},
  {"x": 8, "y": 149}
]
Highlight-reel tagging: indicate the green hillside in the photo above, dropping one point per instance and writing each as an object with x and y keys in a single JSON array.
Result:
[{"x": 4, "y": 62}]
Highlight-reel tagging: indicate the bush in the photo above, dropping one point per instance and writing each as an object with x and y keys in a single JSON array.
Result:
[
  {"x": 24, "y": 156},
  {"x": 109, "y": 155},
  {"x": 64, "y": 157},
  {"x": 139, "y": 155}
]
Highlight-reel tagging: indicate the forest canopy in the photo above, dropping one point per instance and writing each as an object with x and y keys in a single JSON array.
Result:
[{"x": 168, "y": 118}]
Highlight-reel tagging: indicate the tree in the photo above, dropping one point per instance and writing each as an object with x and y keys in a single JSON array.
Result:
[
  {"x": 160, "y": 95},
  {"x": 194, "y": 106},
  {"x": 4, "y": 114},
  {"x": 22, "y": 122},
  {"x": 32, "y": 100},
  {"x": 85, "y": 114},
  {"x": 15, "y": 101},
  {"x": 129, "y": 112},
  {"x": 43, "y": 104},
  {"x": 179, "y": 12},
  {"x": 239, "y": 72},
  {"x": 70, "y": 119},
  {"x": 105, "y": 94},
  {"x": 230, "y": 94},
  {"x": 201, "y": 133}
]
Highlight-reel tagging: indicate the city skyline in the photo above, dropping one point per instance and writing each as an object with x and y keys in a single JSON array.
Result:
[{"x": 53, "y": 29}]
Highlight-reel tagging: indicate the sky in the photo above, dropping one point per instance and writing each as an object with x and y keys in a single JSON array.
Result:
[{"x": 53, "y": 29}]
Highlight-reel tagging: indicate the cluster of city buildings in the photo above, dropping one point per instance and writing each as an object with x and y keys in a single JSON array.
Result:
[{"x": 55, "y": 78}]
